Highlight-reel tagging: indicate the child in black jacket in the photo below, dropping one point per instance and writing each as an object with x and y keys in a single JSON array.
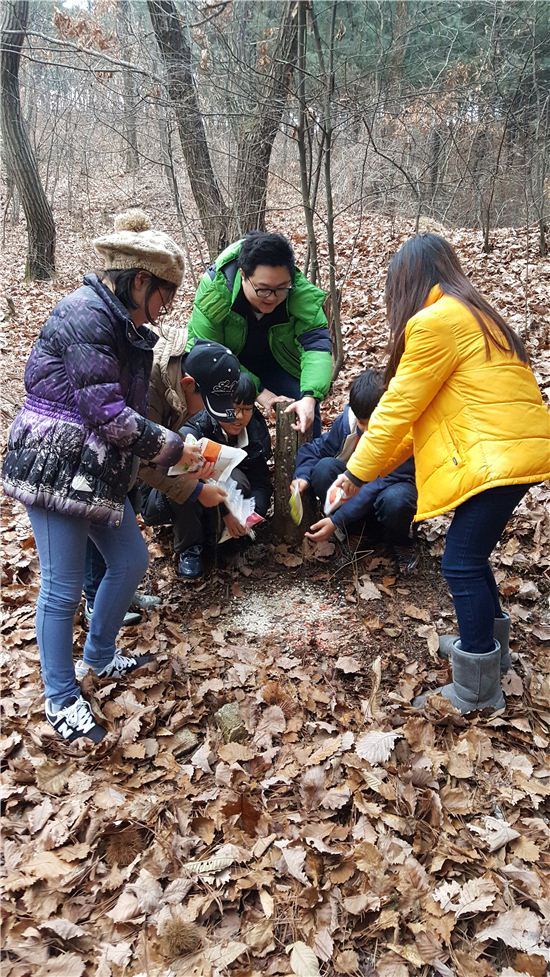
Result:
[{"x": 234, "y": 420}]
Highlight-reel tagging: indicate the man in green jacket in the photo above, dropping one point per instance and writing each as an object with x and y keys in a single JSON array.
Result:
[{"x": 255, "y": 301}]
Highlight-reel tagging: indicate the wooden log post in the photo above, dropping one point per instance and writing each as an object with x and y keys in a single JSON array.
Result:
[{"x": 287, "y": 442}]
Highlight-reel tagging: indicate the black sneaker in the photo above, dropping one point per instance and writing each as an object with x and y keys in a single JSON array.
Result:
[
  {"x": 118, "y": 667},
  {"x": 73, "y": 719},
  {"x": 406, "y": 557},
  {"x": 190, "y": 565}
]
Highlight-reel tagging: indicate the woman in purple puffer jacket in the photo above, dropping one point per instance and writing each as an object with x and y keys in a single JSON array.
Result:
[{"x": 74, "y": 449}]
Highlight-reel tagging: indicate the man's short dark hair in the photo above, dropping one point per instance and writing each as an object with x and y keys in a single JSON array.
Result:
[
  {"x": 261, "y": 248},
  {"x": 365, "y": 392},
  {"x": 245, "y": 391}
]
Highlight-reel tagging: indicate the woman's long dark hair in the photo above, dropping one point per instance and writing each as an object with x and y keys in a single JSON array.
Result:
[{"x": 422, "y": 262}]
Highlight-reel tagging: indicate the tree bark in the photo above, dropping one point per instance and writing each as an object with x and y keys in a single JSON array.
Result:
[
  {"x": 327, "y": 73},
  {"x": 19, "y": 155},
  {"x": 129, "y": 85},
  {"x": 287, "y": 442},
  {"x": 305, "y": 171},
  {"x": 176, "y": 55},
  {"x": 255, "y": 143}
]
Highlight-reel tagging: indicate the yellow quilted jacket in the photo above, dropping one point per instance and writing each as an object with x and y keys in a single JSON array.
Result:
[{"x": 472, "y": 422}]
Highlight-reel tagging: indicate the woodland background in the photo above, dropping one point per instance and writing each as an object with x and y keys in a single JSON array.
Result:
[{"x": 338, "y": 832}]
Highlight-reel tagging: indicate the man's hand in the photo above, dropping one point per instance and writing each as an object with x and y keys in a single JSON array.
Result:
[
  {"x": 234, "y": 527},
  {"x": 211, "y": 495},
  {"x": 299, "y": 483},
  {"x": 305, "y": 412},
  {"x": 350, "y": 488},
  {"x": 267, "y": 399},
  {"x": 321, "y": 530}
]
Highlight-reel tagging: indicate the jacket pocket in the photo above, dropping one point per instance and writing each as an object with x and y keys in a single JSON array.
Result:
[{"x": 454, "y": 453}]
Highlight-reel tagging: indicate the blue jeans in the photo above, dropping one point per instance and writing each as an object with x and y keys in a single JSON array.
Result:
[
  {"x": 94, "y": 566},
  {"x": 284, "y": 385},
  {"x": 61, "y": 544},
  {"x": 475, "y": 530}
]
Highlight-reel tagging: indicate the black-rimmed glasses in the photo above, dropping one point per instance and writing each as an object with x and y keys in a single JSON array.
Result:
[{"x": 266, "y": 293}]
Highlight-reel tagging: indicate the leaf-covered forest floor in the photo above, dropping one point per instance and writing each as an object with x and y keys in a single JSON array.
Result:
[{"x": 328, "y": 828}]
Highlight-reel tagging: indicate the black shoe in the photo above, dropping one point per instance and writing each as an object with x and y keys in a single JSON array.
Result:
[
  {"x": 406, "y": 557},
  {"x": 118, "y": 667},
  {"x": 190, "y": 566},
  {"x": 73, "y": 719}
]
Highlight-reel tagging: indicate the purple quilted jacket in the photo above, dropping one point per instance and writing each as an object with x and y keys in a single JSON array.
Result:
[{"x": 74, "y": 445}]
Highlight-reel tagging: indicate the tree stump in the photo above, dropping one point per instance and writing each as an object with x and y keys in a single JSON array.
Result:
[{"x": 287, "y": 442}]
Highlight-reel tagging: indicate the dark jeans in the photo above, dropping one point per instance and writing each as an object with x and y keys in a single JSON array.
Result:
[
  {"x": 475, "y": 530},
  {"x": 387, "y": 513},
  {"x": 284, "y": 385},
  {"x": 194, "y": 525}
]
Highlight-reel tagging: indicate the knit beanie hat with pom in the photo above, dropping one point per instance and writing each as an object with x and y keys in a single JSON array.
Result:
[{"x": 134, "y": 244}]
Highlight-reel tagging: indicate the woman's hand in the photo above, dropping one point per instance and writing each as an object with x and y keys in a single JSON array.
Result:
[
  {"x": 267, "y": 399},
  {"x": 321, "y": 530},
  {"x": 234, "y": 527},
  {"x": 211, "y": 495},
  {"x": 191, "y": 455},
  {"x": 305, "y": 412}
]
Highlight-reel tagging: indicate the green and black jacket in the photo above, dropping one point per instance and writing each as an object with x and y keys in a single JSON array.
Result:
[{"x": 300, "y": 343}]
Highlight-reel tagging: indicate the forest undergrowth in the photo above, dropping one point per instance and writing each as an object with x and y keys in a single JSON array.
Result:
[{"x": 329, "y": 828}]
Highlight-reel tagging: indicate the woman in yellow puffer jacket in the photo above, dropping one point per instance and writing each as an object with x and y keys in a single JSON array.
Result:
[{"x": 462, "y": 396}]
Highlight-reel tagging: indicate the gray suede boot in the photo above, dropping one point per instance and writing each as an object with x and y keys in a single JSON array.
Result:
[
  {"x": 501, "y": 633},
  {"x": 476, "y": 681}
]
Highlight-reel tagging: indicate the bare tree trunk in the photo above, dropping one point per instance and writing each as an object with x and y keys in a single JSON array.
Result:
[
  {"x": 176, "y": 54},
  {"x": 128, "y": 81},
  {"x": 327, "y": 72},
  {"x": 435, "y": 156},
  {"x": 287, "y": 442},
  {"x": 305, "y": 180},
  {"x": 19, "y": 156},
  {"x": 256, "y": 140}
]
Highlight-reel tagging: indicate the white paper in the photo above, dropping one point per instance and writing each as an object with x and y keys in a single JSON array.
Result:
[
  {"x": 228, "y": 459},
  {"x": 243, "y": 509}
]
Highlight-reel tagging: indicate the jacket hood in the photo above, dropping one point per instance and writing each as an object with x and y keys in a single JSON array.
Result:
[{"x": 171, "y": 342}]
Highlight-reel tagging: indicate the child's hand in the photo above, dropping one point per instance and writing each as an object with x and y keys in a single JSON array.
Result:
[
  {"x": 206, "y": 471},
  {"x": 300, "y": 484},
  {"x": 349, "y": 488},
  {"x": 234, "y": 527},
  {"x": 321, "y": 530},
  {"x": 211, "y": 495}
]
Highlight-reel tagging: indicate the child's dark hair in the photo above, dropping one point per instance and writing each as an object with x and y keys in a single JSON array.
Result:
[
  {"x": 123, "y": 283},
  {"x": 365, "y": 392},
  {"x": 245, "y": 391},
  {"x": 261, "y": 248}
]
